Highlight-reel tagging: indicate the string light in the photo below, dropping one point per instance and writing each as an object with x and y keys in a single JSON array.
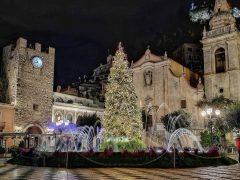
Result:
[{"x": 122, "y": 116}]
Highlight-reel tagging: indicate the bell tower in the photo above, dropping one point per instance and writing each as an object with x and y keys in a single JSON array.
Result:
[
  {"x": 221, "y": 5},
  {"x": 221, "y": 48}
]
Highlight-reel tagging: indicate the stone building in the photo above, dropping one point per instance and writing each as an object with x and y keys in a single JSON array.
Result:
[
  {"x": 190, "y": 55},
  {"x": 221, "y": 47},
  {"x": 102, "y": 71},
  {"x": 69, "y": 90},
  {"x": 72, "y": 108},
  {"x": 7, "y": 114},
  {"x": 92, "y": 87},
  {"x": 30, "y": 73},
  {"x": 99, "y": 79},
  {"x": 163, "y": 86}
]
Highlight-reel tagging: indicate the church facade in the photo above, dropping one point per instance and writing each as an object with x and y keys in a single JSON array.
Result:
[{"x": 164, "y": 86}]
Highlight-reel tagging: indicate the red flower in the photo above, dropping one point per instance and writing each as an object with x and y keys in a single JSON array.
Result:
[
  {"x": 213, "y": 152},
  {"x": 107, "y": 153}
]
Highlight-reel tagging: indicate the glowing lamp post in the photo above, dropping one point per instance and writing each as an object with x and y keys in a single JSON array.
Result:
[{"x": 211, "y": 114}]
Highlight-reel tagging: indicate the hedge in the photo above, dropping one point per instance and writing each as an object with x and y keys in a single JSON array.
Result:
[{"x": 121, "y": 159}]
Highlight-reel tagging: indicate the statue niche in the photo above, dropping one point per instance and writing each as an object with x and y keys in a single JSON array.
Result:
[{"x": 148, "y": 78}]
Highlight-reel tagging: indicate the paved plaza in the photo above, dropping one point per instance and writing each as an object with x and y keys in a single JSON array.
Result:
[{"x": 35, "y": 173}]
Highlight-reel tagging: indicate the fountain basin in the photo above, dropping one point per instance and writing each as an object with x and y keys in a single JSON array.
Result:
[{"x": 109, "y": 158}]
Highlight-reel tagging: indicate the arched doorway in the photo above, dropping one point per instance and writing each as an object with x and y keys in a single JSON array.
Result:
[
  {"x": 32, "y": 139},
  {"x": 147, "y": 120},
  {"x": 34, "y": 130}
]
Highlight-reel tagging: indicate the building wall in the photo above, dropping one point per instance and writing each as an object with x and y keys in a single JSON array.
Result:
[
  {"x": 190, "y": 55},
  {"x": 64, "y": 110},
  {"x": 29, "y": 86},
  {"x": 68, "y": 107},
  {"x": 7, "y": 114},
  {"x": 170, "y": 86},
  {"x": 12, "y": 65}
]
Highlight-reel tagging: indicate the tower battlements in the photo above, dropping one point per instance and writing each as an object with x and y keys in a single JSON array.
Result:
[{"x": 22, "y": 43}]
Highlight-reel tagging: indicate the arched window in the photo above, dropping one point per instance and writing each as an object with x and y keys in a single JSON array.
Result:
[
  {"x": 58, "y": 117},
  {"x": 70, "y": 118},
  {"x": 34, "y": 130},
  {"x": 220, "y": 60}
]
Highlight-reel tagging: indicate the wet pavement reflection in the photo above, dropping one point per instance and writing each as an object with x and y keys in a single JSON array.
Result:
[{"x": 44, "y": 173}]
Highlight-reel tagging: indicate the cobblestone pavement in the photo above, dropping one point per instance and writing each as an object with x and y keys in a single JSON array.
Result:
[{"x": 35, "y": 173}]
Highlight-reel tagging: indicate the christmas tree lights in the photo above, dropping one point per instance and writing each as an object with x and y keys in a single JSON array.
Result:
[{"x": 122, "y": 116}]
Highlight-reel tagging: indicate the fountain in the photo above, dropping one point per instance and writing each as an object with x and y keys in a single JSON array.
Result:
[
  {"x": 66, "y": 137},
  {"x": 181, "y": 137},
  {"x": 63, "y": 136},
  {"x": 177, "y": 134},
  {"x": 84, "y": 142}
]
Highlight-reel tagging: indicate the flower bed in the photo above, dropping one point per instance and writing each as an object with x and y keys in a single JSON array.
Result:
[{"x": 108, "y": 158}]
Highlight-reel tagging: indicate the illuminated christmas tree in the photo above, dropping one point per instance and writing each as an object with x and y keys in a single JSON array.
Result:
[{"x": 122, "y": 117}]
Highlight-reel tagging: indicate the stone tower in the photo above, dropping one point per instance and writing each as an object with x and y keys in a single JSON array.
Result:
[
  {"x": 221, "y": 48},
  {"x": 30, "y": 73}
]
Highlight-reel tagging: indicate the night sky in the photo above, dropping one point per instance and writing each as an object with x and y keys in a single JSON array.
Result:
[{"x": 82, "y": 31}]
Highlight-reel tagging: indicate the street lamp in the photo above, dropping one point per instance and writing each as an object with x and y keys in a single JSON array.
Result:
[{"x": 211, "y": 114}]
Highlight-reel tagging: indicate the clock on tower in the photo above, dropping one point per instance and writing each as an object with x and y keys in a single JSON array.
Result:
[{"x": 37, "y": 61}]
